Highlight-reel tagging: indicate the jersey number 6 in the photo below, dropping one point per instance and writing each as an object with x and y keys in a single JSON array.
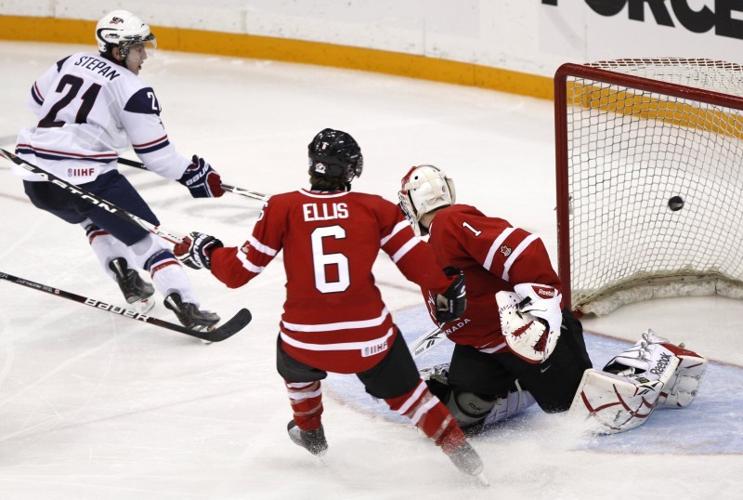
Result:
[{"x": 320, "y": 260}]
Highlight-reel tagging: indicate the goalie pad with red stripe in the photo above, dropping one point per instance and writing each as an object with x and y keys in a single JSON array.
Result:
[{"x": 652, "y": 373}]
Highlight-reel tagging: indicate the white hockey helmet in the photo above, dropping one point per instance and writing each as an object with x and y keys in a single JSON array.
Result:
[
  {"x": 423, "y": 189},
  {"x": 123, "y": 29}
]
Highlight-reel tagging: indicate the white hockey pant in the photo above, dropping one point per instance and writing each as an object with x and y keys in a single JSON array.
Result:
[{"x": 150, "y": 253}]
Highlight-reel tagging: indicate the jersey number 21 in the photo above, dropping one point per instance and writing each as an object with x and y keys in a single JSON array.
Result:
[{"x": 88, "y": 99}]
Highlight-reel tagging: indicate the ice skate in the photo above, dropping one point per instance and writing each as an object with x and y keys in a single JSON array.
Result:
[
  {"x": 137, "y": 292},
  {"x": 312, "y": 441},
  {"x": 189, "y": 314},
  {"x": 466, "y": 459}
]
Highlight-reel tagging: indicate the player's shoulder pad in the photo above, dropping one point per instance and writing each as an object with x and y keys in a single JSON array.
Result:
[
  {"x": 143, "y": 101},
  {"x": 450, "y": 220},
  {"x": 61, "y": 62},
  {"x": 452, "y": 214},
  {"x": 369, "y": 199},
  {"x": 285, "y": 199},
  {"x": 462, "y": 210},
  {"x": 374, "y": 204}
]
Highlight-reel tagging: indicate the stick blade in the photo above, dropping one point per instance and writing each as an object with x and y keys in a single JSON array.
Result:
[
  {"x": 10, "y": 156},
  {"x": 229, "y": 328}
]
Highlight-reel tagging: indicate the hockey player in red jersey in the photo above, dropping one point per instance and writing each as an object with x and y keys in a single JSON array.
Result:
[
  {"x": 334, "y": 318},
  {"x": 515, "y": 344},
  {"x": 88, "y": 107}
]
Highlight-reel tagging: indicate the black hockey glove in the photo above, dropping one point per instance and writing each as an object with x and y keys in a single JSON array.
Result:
[
  {"x": 451, "y": 304},
  {"x": 201, "y": 179},
  {"x": 196, "y": 250}
]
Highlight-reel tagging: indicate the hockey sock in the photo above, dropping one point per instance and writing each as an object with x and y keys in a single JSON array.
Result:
[
  {"x": 430, "y": 415},
  {"x": 105, "y": 246},
  {"x": 306, "y": 402},
  {"x": 168, "y": 276}
]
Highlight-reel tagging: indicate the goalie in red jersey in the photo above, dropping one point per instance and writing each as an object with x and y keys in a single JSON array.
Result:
[
  {"x": 515, "y": 344},
  {"x": 334, "y": 318}
]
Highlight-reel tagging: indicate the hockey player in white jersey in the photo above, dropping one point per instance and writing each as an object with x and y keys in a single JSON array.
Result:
[{"x": 89, "y": 106}]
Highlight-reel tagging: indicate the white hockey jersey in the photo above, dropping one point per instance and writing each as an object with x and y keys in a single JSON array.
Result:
[{"x": 89, "y": 108}]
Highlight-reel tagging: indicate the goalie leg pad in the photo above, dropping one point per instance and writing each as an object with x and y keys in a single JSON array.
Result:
[
  {"x": 651, "y": 356},
  {"x": 682, "y": 389},
  {"x": 468, "y": 408},
  {"x": 629, "y": 389},
  {"x": 515, "y": 402},
  {"x": 610, "y": 403},
  {"x": 471, "y": 409}
]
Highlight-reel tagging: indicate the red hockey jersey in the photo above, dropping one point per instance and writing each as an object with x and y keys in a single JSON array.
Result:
[
  {"x": 334, "y": 318},
  {"x": 494, "y": 256}
]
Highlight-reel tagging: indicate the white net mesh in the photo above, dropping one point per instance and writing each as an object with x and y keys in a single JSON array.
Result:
[{"x": 655, "y": 184}]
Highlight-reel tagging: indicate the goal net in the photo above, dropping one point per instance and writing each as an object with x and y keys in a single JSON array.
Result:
[{"x": 649, "y": 180}]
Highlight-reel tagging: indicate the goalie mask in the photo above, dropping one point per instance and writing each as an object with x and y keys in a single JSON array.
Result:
[
  {"x": 424, "y": 189},
  {"x": 121, "y": 28},
  {"x": 335, "y": 158}
]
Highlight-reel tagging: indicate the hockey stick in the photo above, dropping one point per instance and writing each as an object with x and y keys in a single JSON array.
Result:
[
  {"x": 225, "y": 331},
  {"x": 227, "y": 187},
  {"x": 93, "y": 199},
  {"x": 426, "y": 341}
]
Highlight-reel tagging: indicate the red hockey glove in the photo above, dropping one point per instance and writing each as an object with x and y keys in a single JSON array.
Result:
[{"x": 196, "y": 250}]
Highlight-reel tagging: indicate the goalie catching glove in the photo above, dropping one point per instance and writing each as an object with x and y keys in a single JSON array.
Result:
[
  {"x": 451, "y": 303},
  {"x": 530, "y": 319},
  {"x": 196, "y": 249},
  {"x": 201, "y": 179}
]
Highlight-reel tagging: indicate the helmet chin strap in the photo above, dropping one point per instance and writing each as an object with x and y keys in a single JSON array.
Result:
[{"x": 109, "y": 55}]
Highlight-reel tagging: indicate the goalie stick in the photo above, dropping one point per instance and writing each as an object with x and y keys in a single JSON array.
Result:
[
  {"x": 93, "y": 199},
  {"x": 426, "y": 342},
  {"x": 227, "y": 187},
  {"x": 222, "y": 332}
]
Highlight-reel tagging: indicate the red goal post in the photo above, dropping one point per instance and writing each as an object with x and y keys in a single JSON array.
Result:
[{"x": 649, "y": 158}]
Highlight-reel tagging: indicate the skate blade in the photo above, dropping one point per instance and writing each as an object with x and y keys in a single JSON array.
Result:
[
  {"x": 481, "y": 480},
  {"x": 205, "y": 329},
  {"x": 142, "y": 306}
]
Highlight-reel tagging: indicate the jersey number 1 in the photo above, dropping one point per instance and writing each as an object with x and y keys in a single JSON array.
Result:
[
  {"x": 320, "y": 260},
  {"x": 88, "y": 98}
]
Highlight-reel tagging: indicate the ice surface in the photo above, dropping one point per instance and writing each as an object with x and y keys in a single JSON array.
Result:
[{"x": 94, "y": 406}]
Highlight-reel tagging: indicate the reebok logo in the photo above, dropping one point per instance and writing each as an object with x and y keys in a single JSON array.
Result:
[
  {"x": 661, "y": 365},
  {"x": 545, "y": 292}
]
